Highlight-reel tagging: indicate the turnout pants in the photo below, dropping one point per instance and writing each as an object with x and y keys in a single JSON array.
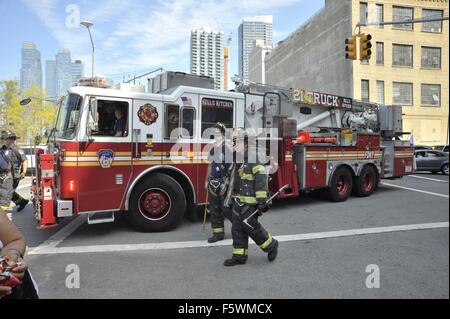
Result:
[
  {"x": 218, "y": 212},
  {"x": 241, "y": 231},
  {"x": 16, "y": 198},
  {"x": 6, "y": 190}
]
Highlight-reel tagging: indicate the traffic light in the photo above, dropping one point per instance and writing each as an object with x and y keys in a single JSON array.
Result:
[
  {"x": 350, "y": 48},
  {"x": 365, "y": 46}
]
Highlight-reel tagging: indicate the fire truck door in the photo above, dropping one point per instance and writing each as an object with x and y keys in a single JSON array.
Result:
[{"x": 104, "y": 162}]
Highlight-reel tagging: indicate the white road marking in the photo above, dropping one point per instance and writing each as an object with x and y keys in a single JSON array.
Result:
[
  {"x": 428, "y": 178},
  {"x": 59, "y": 236},
  {"x": 52, "y": 249},
  {"x": 416, "y": 190}
]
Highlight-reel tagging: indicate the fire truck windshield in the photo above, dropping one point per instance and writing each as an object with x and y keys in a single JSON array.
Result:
[{"x": 69, "y": 116}]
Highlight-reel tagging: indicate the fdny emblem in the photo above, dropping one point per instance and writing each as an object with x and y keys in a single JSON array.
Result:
[
  {"x": 105, "y": 157},
  {"x": 147, "y": 114}
]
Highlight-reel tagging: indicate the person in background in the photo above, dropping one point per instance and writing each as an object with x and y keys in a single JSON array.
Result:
[
  {"x": 19, "y": 166},
  {"x": 6, "y": 181},
  {"x": 120, "y": 124},
  {"x": 217, "y": 180}
]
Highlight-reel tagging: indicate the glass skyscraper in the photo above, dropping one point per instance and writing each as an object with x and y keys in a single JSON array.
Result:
[
  {"x": 251, "y": 29},
  {"x": 61, "y": 74},
  {"x": 31, "y": 70},
  {"x": 50, "y": 77}
]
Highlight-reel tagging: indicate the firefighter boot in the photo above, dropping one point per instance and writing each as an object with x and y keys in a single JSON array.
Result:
[
  {"x": 233, "y": 261},
  {"x": 272, "y": 254},
  {"x": 239, "y": 257},
  {"x": 216, "y": 237}
]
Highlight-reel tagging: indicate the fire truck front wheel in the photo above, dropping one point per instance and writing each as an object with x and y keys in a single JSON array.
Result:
[
  {"x": 341, "y": 185},
  {"x": 157, "y": 204},
  {"x": 365, "y": 184}
]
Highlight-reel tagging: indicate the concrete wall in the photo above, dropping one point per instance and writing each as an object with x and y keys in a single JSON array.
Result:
[
  {"x": 256, "y": 62},
  {"x": 313, "y": 57}
]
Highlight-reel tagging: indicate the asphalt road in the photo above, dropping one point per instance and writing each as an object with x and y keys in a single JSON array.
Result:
[{"x": 325, "y": 249}]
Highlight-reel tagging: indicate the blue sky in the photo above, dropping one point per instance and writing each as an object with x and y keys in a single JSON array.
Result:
[{"x": 133, "y": 36}]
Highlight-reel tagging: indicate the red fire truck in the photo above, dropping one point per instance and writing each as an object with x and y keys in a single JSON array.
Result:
[{"x": 156, "y": 176}]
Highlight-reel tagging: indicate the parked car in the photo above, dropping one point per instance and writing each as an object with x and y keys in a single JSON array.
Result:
[
  {"x": 29, "y": 152},
  {"x": 432, "y": 161},
  {"x": 422, "y": 147},
  {"x": 443, "y": 148}
]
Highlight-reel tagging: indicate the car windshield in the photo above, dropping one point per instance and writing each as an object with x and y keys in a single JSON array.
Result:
[{"x": 69, "y": 116}]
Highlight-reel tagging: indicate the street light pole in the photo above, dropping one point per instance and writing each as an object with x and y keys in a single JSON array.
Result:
[{"x": 88, "y": 24}]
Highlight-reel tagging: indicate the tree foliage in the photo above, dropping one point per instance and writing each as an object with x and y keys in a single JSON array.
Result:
[{"x": 28, "y": 121}]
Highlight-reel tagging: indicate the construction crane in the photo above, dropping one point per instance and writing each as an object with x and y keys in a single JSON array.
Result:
[{"x": 226, "y": 56}]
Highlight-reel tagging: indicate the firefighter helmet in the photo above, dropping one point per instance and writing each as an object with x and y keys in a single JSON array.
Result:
[
  {"x": 221, "y": 127},
  {"x": 9, "y": 135}
]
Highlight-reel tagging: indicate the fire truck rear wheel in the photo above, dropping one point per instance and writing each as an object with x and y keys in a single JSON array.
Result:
[
  {"x": 157, "y": 204},
  {"x": 365, "y": 184},
  {"x": 341, "y": 185}
]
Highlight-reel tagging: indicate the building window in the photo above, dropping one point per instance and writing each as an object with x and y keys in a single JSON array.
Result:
[
  {"x": 402, "y": 14},
  {"x": 435, "y": 26},
  {"x": 365, "y": 90},
  {"x": 380, "y": 92},
  {"x": 431, "y": 58},
  {"x": 379, "y": 14},
  {"x": 108, "y": 118},
  {"x": 431, "y": 95},
  {"x": 215, "y": 110},
  {"x": 402, "y": 93},
  {"x": 402, "y": 55},
  {"x": 363, "y": 12},
  {"x": 380, "y": 53}
]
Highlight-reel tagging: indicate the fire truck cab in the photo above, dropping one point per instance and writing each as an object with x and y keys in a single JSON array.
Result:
[{"x": 146, "y": 154}]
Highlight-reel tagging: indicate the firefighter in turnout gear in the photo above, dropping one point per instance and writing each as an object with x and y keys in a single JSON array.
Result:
[
  {"x": 19, "y": 166},
  {"x": 217, "y": 184},
  {"x": 6, "y": 181},
  {"x": 250, "y": 194}
]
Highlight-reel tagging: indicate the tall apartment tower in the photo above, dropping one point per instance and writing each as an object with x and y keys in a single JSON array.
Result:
[
  {"x": 50, "y": 77},
  {"x": 77, "y": 70},
  {"x": 31, "y": 70},
  {"x": 251, "y": 29},
  {"x": 63, "y": 71},
  {"x": 207, "y": 55}
]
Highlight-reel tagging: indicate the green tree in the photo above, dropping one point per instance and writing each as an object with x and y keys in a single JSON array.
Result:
[{"x": 29, "y": 121}]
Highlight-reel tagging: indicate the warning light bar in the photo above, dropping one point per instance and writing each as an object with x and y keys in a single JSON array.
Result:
[{"x": 99, "y": 82}]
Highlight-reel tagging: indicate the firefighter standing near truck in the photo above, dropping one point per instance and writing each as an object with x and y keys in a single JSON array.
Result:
[
  {"x": 250, "y": 194},
  {"x": 6, "y": 181},
  {"x": 19, "y": 166},
  {"x": 217, "y": 184}
]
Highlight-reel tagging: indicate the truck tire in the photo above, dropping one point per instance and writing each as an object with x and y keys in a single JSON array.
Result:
[
  {"x": 341, "y": 185},
  {"x": 444, "y": 169},
  {"x": 364, "y": 184},
  {"x": 157, "y": 204}
]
